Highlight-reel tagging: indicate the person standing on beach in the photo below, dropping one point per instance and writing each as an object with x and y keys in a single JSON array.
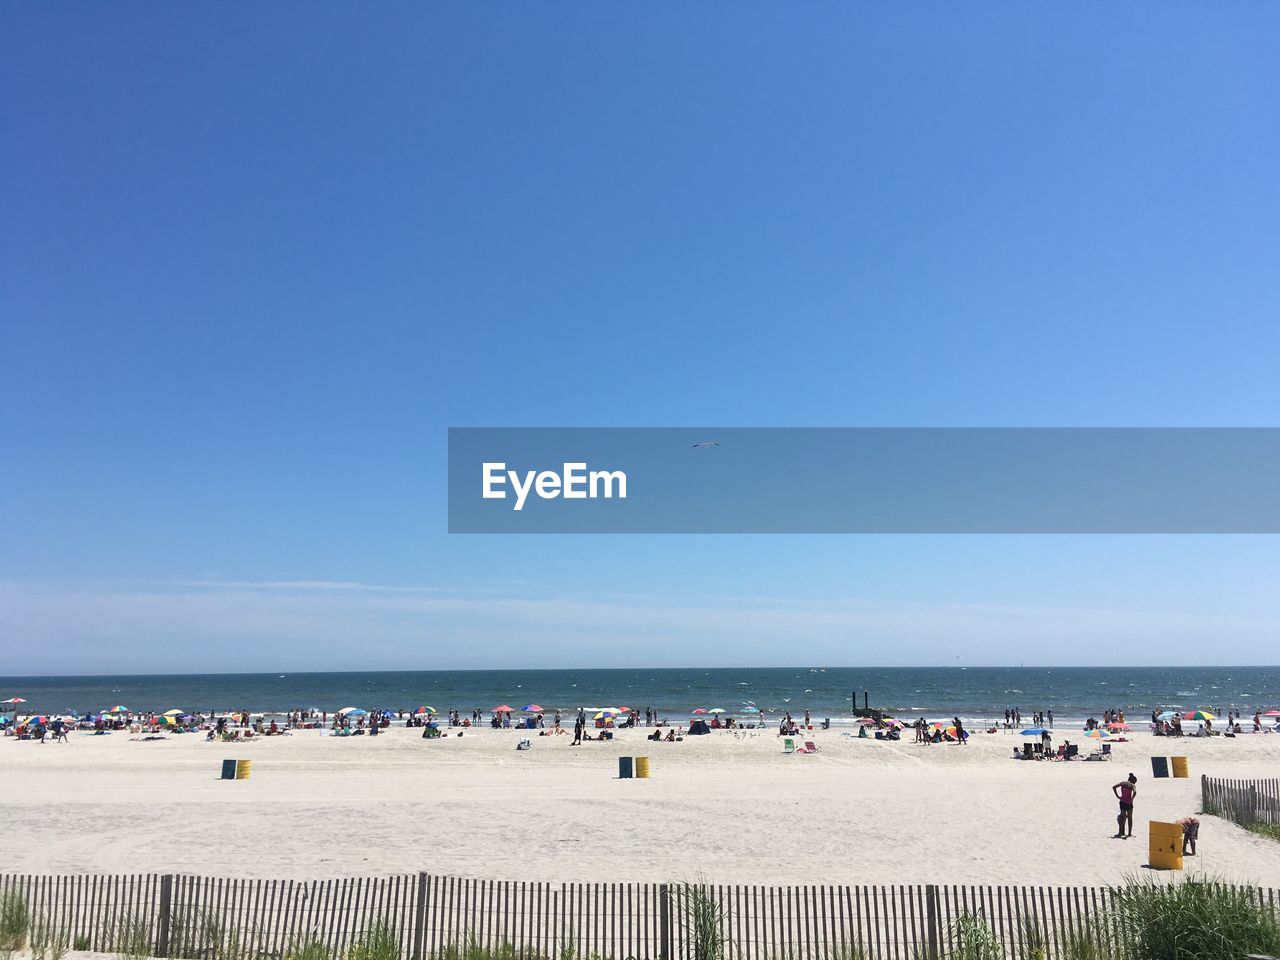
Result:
[
  {"x": 1126, "y": 791},
  {"x": 960, "y": 735}
]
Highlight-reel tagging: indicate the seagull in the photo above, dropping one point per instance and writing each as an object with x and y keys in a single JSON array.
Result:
[{"x": 706, "y": 443}]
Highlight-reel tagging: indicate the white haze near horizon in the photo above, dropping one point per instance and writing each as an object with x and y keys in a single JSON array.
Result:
[{"x": 247, "y": 626}]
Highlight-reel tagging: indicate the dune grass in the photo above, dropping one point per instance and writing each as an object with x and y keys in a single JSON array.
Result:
[
  {"x": 1192, "y": 920},
  {"x": 1269, "y": 830},
  {"x": 15, "y": 923}
]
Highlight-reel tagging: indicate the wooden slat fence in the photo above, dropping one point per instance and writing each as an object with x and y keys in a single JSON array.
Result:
[
  {"x": 1243, "y": 801},
  {"x": 208, "y": 918}
]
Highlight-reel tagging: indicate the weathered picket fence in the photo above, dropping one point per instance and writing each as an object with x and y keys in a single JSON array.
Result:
[
  {"x": 203, "y": 918},
  {"x": 1242, "y": 801}
]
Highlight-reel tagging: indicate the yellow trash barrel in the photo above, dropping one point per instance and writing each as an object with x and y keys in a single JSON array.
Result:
[
  {"x": 243, "y": 767},
  {"x": 1180, "y": 767},
  {"x": 1164, "y": 848},
  {"x": 642, "y": 767}
]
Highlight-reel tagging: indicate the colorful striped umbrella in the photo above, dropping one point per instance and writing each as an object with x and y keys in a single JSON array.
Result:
[
  {"x": 1197, "y": 715},
  {"x": 422, "y": 710}
]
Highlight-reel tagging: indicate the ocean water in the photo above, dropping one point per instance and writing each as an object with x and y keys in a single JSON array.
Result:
[{"x": 974, "y": 693}]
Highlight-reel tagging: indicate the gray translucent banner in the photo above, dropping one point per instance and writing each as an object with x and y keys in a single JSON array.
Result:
[{"x": 856, "y": 480}]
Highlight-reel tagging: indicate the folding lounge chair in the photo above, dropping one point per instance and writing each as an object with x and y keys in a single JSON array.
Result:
[
  {"x": 809, "y": 747},
  {"x": 788, "y": 745}
]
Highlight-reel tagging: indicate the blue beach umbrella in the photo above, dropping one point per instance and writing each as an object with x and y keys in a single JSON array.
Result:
[
  {"x": 1034, "y": 732},
  {"x": 1168, "y": 715}
]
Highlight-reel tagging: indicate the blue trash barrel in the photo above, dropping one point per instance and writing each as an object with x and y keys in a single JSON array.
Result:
[
  {"x": 625, "y": 768},
  {"x": 228, "y": 769},
  {"x": 1160, "y": 766}
]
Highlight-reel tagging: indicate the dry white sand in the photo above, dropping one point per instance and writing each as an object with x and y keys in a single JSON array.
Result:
[{"x": 716, "y": 807}]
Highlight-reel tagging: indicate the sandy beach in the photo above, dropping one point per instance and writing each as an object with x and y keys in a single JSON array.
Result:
[{"x": 719, "y": 807}]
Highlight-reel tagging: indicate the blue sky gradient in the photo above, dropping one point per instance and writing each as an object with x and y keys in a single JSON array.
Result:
[{"x": 256, "y": 259}]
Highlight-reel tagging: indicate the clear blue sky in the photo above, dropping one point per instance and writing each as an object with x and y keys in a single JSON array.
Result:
[{"x": 255, "y": 259}]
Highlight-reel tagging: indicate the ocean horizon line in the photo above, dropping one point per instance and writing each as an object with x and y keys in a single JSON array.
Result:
[{"x": 522, "y": 669}]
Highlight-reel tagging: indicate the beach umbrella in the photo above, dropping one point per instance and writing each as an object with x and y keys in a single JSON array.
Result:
[
  {"x": 1272, "y": 713},
  {"x": 13, "y": 700},
  {"x": 425, "y": 710},
  {"x": 1117, "y": 726},
  {"x": 716, "y": 710},
  {"x": 866, "y": 722},
  {"x": 749, "y": 710},
  {"x": 1035, "y": 731},
  {"x": 345, "y": 710},
  {"x": 173, "y": 713},
  {"x": 166, "y": 721},
  {"x": 1197, "y": 715},
  {"x": 1097, "y": 733},
  {"x": 119, "y": 708},
  {"x": 1167, "y": 715},
  {"x": 38, "y": 718},
  {"x": 502, "y": 709},
  {"x": 603, "y": 715},
  {"x": 700, "y": 710},
  {"x": 531, "y": 708},
  {"x": 357, "y": 712}
]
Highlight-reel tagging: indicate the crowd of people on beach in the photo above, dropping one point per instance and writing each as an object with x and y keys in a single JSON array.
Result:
[{"x": 351, "y": 721}]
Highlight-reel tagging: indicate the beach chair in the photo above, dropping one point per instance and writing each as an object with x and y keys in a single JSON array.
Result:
[
  {"x": 810, "y": 747},
  {"x": 788, "y": 745}
]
